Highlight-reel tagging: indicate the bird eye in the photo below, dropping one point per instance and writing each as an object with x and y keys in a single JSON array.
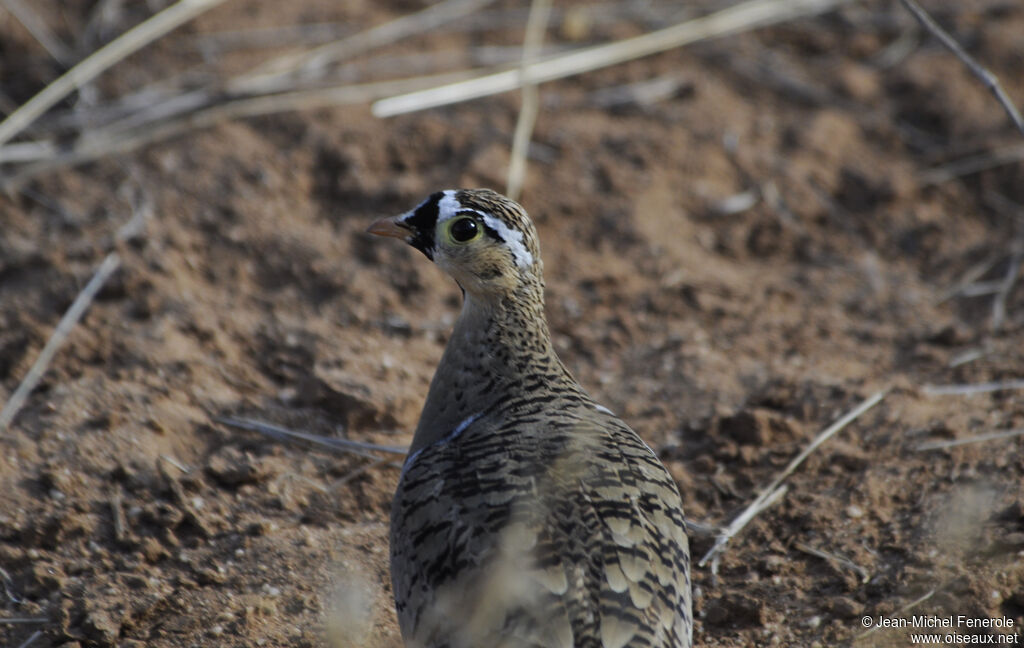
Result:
[{"x": 464, "y": 230}]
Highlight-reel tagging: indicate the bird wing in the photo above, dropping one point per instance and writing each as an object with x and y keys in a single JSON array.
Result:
[{"x": 540, "y": 533}]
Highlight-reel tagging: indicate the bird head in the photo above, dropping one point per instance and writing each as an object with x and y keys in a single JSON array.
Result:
[{"x": 485, "y": 241}]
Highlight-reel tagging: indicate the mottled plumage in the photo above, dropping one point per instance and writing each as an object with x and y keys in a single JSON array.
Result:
[{"x": 527, "y": 515}]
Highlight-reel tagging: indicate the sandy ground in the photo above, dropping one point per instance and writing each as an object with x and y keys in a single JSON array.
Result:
[{"x": 733, "y": 262}]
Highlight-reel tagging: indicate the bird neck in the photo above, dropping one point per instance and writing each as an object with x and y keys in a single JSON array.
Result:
[{"x": 499, "y": 358}]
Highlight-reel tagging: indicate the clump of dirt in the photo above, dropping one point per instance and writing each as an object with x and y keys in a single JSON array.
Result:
[{"x": 731, "y": 266}]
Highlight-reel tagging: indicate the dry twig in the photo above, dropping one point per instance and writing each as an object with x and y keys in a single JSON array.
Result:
[
  {"x": 31, "y": 639},
  {"x": 990, "y": 80},
  {"x": 1005, "y": 285},
  {"x": 8, "y": 587},
  {"x": 116, "y": 139},
  {"x": 760, "y": 504},
  {"x": 981, "y": 438},
  {"x": 835, "y": 558},
  {"x": 974, "y": 273},
  {"x": 772, "y": 491},
  {"x": 970, "y": 389},
  {"x": 120, "y": 522},
  {"x": 972, "y": 164},
  {"x": 100, "y": 60},
  {"x": 272, "y": 75},
  {"x": 535, "y": 24},
  {"x": 360, "y": 448},
  {"x": 740, "y": 18},
  {"x": 64, "y": 327}
]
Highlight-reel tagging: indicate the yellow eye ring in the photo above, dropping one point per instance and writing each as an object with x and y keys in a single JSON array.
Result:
[{"x": 462, "y": 230}]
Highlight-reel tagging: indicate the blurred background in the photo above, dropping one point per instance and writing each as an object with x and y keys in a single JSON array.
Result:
[{"x": 751, "y": 222}]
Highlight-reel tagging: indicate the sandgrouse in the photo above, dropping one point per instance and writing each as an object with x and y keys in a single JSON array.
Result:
[{"x": 527, "y": 515}]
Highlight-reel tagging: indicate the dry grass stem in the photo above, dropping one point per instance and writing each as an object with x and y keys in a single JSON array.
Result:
[
  {"x": 117, "y": 512},
  {"x": 967, "y": 356},
  {"x": 540, "y": 11},
  {"x": 22, "y": 152},
  {"x": 272, "y": 75},
  {"x": 760, "y": 504},
  {"x": 835, "y": 558},
  {"x": 981, "y": 288},
  {"x": 974, "y": 273},
  {"x": 740, "y": 18},
  {"x": 972, "y": 164},
  {"x": 31, "y": 639},
  {"x": 40, "y": 31},
  {"x": 970, "y": 389},
  {"x": 1005, "y": 285},
  {"x": 67, "y": 323},
  {"x": 990, "y": 80},
  {"x": 981, "y": 438},
  {"x": 8, "y": 586},
  {"x": 361, "y": 448},
  {"x": 114, "y": 139},
  {"x": 177, "y": 464},
  {"x": 100, "y": 60},
  {"x": 769, "y": 493}
]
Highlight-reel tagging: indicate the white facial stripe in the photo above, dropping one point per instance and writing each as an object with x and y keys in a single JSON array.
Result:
[
  {"x": 448, "y": 206},
  {"x": 513, "y": 239}
]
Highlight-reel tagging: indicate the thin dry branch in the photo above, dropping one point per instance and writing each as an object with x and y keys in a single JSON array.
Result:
[
  {"x": 740, "y": 18},
  {"x": 60, "y": 334},
  {"x": 115, "y": 139},
  {"x": 760, "y": 504},
  {"x": 835, "y": 558},
  {"x": 974, "y": 273},
  {"x": 151, "y": 107},
  {"x": 31, "y": 639},
  {"x": 270, "y": 76},
  {"x": 100, "y": 60},
  {"x": 981, "y": 438},
  {"x": 770, "y": 491},
  {"x": 990, "y": 80},
  {"x": 361, "y": 448},
  {"x": 969, "y": 389},
  {"x": 8, "y": 587},
  {"x": 1005, "y": 286},
  {"x": 967, "y": 356},
  {"x": 177, "y": 464},
  {"x": 540, "y": 11},
  {"x": 119, "y": 519},
  {"x": 971, "y": 165}
]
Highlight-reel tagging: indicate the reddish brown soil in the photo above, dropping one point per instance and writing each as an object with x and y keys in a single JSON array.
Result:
[{"x": 129, "y": 516}]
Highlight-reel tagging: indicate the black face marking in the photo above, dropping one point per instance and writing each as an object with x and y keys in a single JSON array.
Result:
[{"x": 422, "y": 223}]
